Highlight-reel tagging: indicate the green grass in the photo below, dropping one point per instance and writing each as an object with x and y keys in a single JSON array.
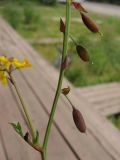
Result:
[
  {"x": 104, "y": 51},
  {"x": 115, "y": 120}
]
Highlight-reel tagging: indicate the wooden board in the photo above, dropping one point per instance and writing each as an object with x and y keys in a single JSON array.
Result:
[
  {"x": 38, "y": 85},
  {"x": 105, "y": 98}
]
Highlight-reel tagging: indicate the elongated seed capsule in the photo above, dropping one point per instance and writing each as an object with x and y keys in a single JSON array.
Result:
[
  {"x": 79, "y": 7},
  {"x": 90, "y": 24},
  {"x": 79, "y": 120},
  {"x": 65, "y": 91},
  {"x": 82, "y": 53}
]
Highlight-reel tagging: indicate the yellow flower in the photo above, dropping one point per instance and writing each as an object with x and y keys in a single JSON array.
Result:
[
  {"x": 5, "y": 66},
  {"x": 21, "y": 64},
  {"x": 3, "y": 60},
  {"x": 3, "y": 77}
]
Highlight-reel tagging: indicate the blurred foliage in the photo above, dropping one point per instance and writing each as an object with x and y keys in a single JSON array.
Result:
[
  {"x": 107, "y": 1},
  {"x": 115, "y": 120},
  {"x": 30, "y": 15},
  {"x": 48, "y": 2},
  {"x": 22, "y": 2},
  {"x": 33, "y": 23},
  {"x": 13, "y": 15}
]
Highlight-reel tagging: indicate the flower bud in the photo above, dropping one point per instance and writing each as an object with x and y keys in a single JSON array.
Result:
[{"x": 65, "y": 91}]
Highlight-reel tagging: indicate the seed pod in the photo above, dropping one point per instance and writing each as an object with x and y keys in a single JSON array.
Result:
[
  {"x": 79, "y": 120},
  {"x": 90, "y": 24},
  {"x": 62, "y": 26},
  {"x": 26, "y": 136},
  {"x": 65, "y": 91},
  {"x": 82, "y": 53},
  {"x": 79, "y": 7}
]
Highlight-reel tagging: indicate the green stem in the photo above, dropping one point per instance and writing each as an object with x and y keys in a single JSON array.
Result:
[
  {"x": 70, "y": 102},
  {"x": 61, "y": 76},
  {"x": 73, "y": 40},
  {"x": 32, "y": 129}
]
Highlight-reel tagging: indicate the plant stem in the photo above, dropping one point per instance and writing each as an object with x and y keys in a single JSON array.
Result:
[
  {"x": 30, "y": 125},
  {"x": 58, "y": 91},
  {"x": 70, "y": 102},
  {"x": 73, "y": 40}
]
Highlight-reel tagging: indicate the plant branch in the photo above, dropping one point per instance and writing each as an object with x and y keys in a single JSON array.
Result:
[
  {"x": 58, "y": 91},
  {"x": 28, "y": 118}
]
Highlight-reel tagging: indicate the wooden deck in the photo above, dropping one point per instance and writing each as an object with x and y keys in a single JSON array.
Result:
[
  {"x": 105, "y": 98},
  {"x": 38, "y": 85}
]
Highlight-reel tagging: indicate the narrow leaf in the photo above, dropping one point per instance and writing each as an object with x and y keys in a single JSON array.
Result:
[
  {"x": 36, "y": 138},
  {"x": 13, "y": 125},
  {"x": 19, "y": 128}
]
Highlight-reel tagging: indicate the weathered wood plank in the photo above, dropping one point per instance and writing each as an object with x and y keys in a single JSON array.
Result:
[
  {"x": 107, "y": 100},
  {"x": 110, "y": 110},
  {"x": 3, "y": 155},
  {"x": 13, "y": 145},
  {"x": 40, "y": 118},
  {"x": 100, "y": 88},
  {"x": 81, "y": 145}
]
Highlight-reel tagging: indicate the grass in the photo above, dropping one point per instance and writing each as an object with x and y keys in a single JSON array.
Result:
[{"x": 104, "y": 51}]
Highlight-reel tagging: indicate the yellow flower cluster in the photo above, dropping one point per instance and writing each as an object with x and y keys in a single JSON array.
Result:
[{"x": 6, "y": 63}]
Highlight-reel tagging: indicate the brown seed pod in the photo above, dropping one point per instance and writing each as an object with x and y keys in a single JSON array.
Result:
[
  {"x": 62, "y": 26},
  {"x": 79, "y": 7},
  {"x": 82, "y": 52},
  {"x": 90, "y": 24},
  {"x": 79, "y": 120},
  {"x": 65, "y": 91}
]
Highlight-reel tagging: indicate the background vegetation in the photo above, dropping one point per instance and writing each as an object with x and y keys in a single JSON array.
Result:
[
  {"x": 32, "y": 23},
  {"x": 108, "y": 1}
]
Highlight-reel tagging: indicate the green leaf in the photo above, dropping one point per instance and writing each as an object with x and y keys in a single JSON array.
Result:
[
  {"x": 13, "y": 125},
  {"x": 36, "y": 140},
  {"x": 17, "y": 128}
]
